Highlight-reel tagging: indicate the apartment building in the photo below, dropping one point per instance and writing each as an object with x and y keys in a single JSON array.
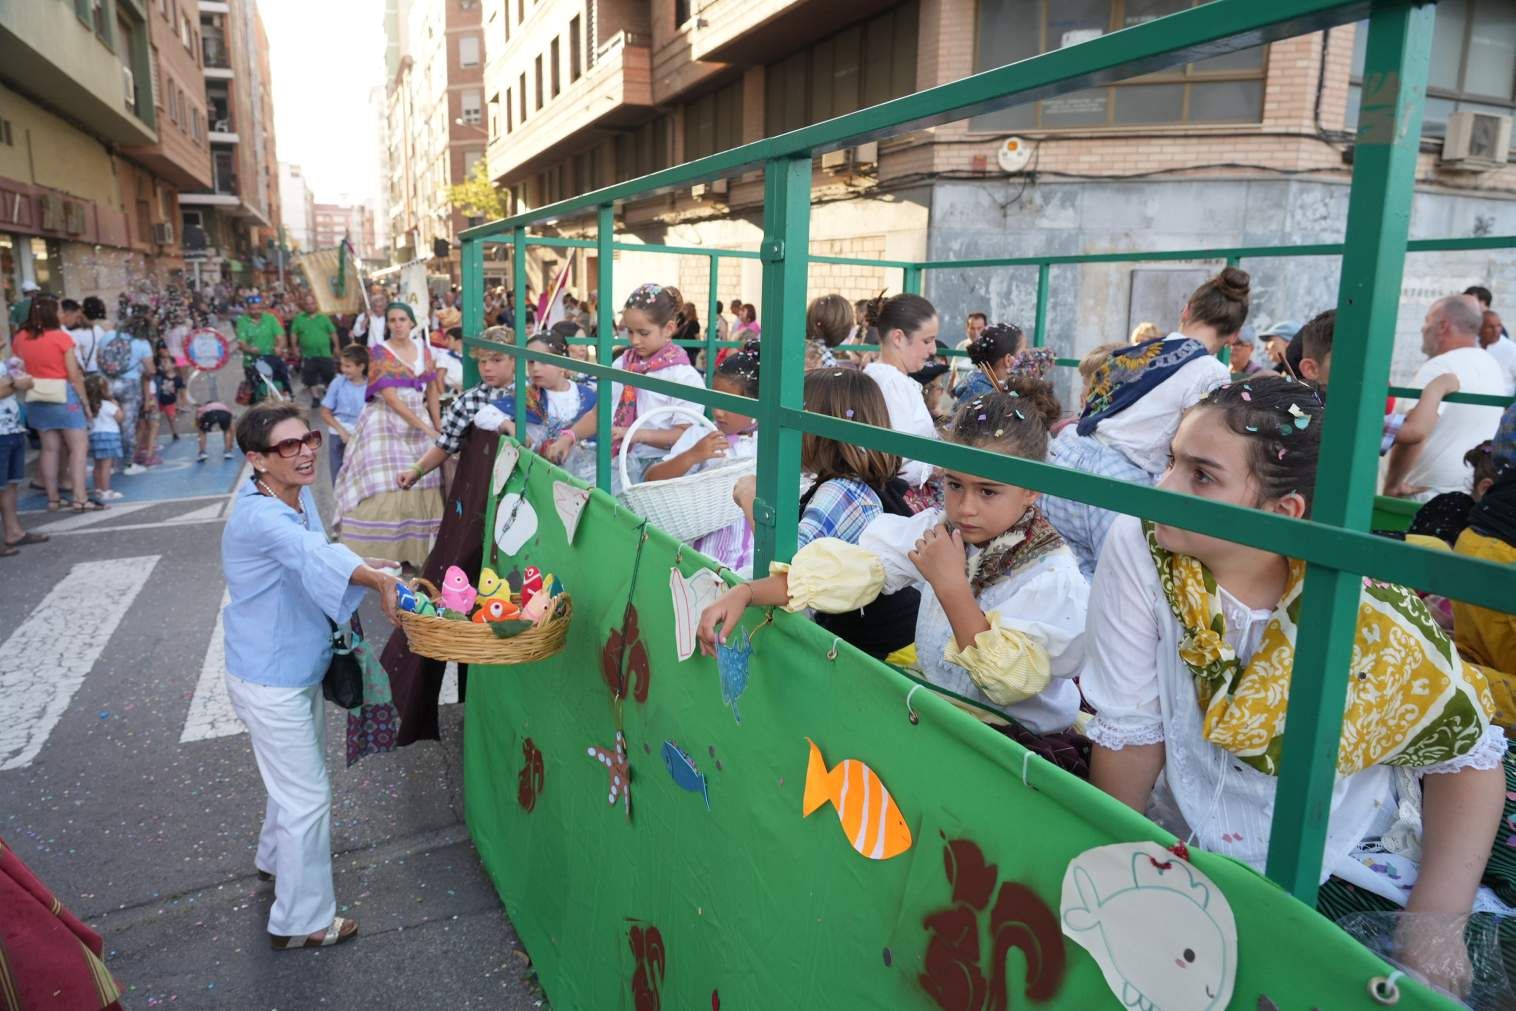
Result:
[
  {"x": 353, "y": 222},
  {"x": 90, "y": 157},
  {"x": 1250, "y": 148},
  {"x": 230, "y": 226},
  {"x": 435, "y": 130},
  {"x": 297, "y": 208}
]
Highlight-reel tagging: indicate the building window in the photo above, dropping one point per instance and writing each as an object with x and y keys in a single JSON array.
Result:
[
  {"x": 470, "y": 159},
  {"x": 681, "y": 12},
  {"x": 468, "y": 51},
  {"x": 713, "y": 122},
  {"x": 539, "y": 81},
  {"x": 472, "y": 103},
  {"x": 1473, "y": 63},
  {"x": 834, "y": 76},
  {"x": 186, "y": 33},
  {"x": 574, "y": 44},
  {"x": 553, "y": 61},
  {"x": 1225, "y": 89},
  {"x": 521, "y": 97},
  {"x": 510, "y": 112}
]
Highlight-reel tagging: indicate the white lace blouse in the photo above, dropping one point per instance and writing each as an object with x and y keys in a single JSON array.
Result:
[{"x": 1144, "y": 694}]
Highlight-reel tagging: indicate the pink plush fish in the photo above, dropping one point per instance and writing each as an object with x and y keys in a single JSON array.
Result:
[{"x": 457, "y": 594}]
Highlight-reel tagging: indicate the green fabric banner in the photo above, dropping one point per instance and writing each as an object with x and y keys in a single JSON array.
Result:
[{"x": 747, "y": 903}]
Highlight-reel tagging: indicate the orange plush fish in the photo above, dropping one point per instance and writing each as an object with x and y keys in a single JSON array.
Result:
[
  {"x": 495, "y": 609},
  {"x": 874, "y": 825}
]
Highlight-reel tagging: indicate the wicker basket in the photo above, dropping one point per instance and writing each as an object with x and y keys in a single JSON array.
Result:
[
  {"x": 689, "y": 507},
  {"x": 467, "y": 642}
]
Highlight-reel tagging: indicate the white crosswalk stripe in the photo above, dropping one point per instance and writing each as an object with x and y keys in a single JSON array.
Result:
[
  {"x": 45, "y": 660},
  {"x": 210, "y": 711}
]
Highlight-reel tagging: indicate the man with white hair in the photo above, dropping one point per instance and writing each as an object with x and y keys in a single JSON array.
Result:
[{"x": 1434, "y": 465}]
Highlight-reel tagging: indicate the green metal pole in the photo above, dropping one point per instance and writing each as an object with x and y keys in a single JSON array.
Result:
[
  {"x": 712, "y": 334},
  {"x": 1379, "y": 215},
  {"x": 910, "y": 280},
  {"x": 605, "y": 331},
  {"x": 1040, "y": 326},
  {"x": 518, "y": 283},
  {"x": 473, "y": 303},
  {"x": 786, "y": 248}
]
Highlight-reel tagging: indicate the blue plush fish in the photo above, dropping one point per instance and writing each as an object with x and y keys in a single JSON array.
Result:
[
  {"x": 406, "y": 599},
  {"x": 682, "y": 767},
  {"x": 732, "y": 660}
]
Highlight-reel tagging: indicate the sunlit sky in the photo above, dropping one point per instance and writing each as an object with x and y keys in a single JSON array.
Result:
[{"x": 325, "y": 56}]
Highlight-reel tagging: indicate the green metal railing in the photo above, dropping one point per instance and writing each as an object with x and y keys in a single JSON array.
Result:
[{"x": 1335, "y": 542}]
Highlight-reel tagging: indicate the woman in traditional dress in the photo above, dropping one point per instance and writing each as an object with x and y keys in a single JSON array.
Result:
[{"x": 400, "y": 419}]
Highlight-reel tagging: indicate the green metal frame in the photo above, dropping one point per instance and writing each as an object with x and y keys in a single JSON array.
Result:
[{"x": 1335, "y": 544}]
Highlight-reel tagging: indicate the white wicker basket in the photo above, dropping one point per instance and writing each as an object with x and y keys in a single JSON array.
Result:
[{"x": 688, "y": 507}]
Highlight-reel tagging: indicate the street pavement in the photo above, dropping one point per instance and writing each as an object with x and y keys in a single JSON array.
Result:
[{"x": 127, "y": 783}]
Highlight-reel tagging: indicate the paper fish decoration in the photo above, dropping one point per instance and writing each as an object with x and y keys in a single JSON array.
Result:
[
  {"x": 457, "y": 594},
  {"x": 427, "y": 609},
  {"x": 505, "y": 463},
  {"x": 682, "y": 767},
  {"x": 496, "y": 609},
  {"x": 873, "y": 824},
  {"x": 531, "y": 583},
  {"x": 406, "y": 599},
  {"x": 692, "y": 595},
  {"x": 515, "y": 524},
  {"x": 732, "y": 660},
  {"x": 570, "y": 502},
  {"x": 1113, "y": 896},
  {"x": 489, "y": 583},
  {"x": 620, "y": 771}
]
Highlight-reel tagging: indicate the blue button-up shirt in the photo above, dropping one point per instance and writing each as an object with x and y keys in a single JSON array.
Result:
[
  {"x": 285, "y": 579},
  {"x": 345, "y": 400}
]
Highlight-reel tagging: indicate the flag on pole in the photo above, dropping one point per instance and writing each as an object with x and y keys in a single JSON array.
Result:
[{"x": 550, "y": 305}]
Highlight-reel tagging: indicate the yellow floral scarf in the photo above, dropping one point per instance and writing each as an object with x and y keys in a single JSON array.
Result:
[{"x": 1411, "y": 700}]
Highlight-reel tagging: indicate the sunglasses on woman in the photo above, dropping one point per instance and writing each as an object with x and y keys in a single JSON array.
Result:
[{"x": 291, "y": 447}]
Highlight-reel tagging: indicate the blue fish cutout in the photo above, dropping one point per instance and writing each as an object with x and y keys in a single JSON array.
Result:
[
  {"x": 682, "y": 767},
  {"x": 458, "y": 506},
  {"x": 406, "y": 599},
  {"x": 732, "y": 660}
]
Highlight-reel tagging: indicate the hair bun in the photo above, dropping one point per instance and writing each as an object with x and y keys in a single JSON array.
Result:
[{"x": 1235, "y": 283}]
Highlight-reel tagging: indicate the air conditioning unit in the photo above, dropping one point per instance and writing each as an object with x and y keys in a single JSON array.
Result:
[
  {"x": 73, "y": 217},
  {"x": 52, "y": 212},
  {"x": 865, "y": 155},
  {"x": 163, "y": 233},
  {"x": 714, "y": 188},
  {"x": 851, "y": 159},
  {"x": 837, "y": 161},
  {"x": 1476, "y": 140},
  {"x": 129, "y": 86}
]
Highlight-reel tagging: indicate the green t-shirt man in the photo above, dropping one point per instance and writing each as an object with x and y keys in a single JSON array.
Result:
[
  {"x": 315, "y": 333},
  {"x": 262, "y": 333}
]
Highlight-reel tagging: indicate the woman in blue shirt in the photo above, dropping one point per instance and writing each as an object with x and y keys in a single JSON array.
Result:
[{"x": 287, "y": 585}]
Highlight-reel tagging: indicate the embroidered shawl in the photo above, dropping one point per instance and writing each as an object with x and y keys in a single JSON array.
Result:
[
  {"x": 386, "y": 370},
  {"x": 1411, "y": 700},
  {"x": 1030, "y": 539},
  {"x": 1130, "y": 374},
  {"x": 668, "y": 356}
]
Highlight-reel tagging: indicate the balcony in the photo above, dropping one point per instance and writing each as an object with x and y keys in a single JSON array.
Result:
[
  {"x": 216, "y": 57},
  {"x": 615, "y": 92},
  {"x": 762, "y": 31},
  {"x": 218, "y": 127}
]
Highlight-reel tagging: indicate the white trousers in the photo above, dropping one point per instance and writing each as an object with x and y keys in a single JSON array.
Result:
[{"x": 288, "y": 731}]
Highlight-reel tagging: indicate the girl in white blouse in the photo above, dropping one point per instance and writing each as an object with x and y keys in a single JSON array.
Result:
[
  {"x": 907, "y": 326},
  {"x": 1002, "y": 613},
  {"x": 1190, "y": 653}
]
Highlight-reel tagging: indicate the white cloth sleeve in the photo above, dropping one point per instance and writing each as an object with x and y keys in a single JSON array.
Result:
[
  {"x": 1050, "y": 608},
  {"x": 1120, "y": 674},
  {"x": 891, "y": 539}
]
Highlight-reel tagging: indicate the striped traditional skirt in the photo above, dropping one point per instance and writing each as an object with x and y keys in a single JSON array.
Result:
[{"x": 374, "y": 517}]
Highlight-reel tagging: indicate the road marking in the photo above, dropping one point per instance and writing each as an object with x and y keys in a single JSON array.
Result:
[
  {"x": 115, "y": 509},
  {"x": 132, "y": 526},
  {"x": 45, "y": 660},
  {"x": 449, "y": 684},
  {"x": 205, "y": 514},
  {"x": 89, "y": 519},
  {"x": 210, "y": 711}
]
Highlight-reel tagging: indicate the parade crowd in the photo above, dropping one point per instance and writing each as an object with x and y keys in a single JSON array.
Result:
[{"x": 1151, "y": 660}]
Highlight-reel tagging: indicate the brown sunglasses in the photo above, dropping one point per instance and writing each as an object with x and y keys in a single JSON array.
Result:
[{"x": 291, "y": 447}]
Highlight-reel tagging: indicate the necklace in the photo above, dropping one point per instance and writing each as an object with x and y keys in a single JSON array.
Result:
[{"x": 270, "y": 493}]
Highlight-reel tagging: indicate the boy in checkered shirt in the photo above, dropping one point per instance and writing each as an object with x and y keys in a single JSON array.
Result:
[{"x": 496, "y": 369}]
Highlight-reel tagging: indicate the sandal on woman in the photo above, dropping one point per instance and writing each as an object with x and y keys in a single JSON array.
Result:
[
  {"x": 53, "y": 505},
  {"x": 263, "y": 875},
  {"x": 28, "y": 538},
  {"x": 342, "y": 929},
  {"x": 87, "y": 506},
  {"x": 6, "y": 551}
]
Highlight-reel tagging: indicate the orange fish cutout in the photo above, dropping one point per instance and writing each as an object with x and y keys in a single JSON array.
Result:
[
  {"x": 496, "y": 609},
  {"x": 873, "y": 824}
]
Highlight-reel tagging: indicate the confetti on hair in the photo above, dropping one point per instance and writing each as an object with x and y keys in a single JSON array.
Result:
[
  {"x": 1284, "y": 429},
  {"x": 1019, "y": 415},
  {"x": 1246, "y": 395},
  {"x": 999, "y": 432},
  {"x": 983, "y": 417},
  {"x": 1295, "y": 411},
  {"x": 1302, "y": 422},
  {"x": 1281, "y": 452},
  {"x": 1251, "y": 428}
]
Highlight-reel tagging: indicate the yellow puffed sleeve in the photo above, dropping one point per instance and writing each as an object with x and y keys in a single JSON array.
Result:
[
  {"x": 831, "y": 576},
  {"x": 1007, "y": 665}
]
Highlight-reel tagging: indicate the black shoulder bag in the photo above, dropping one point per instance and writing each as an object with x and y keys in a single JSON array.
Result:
[{"x": 343, "y": 683}]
